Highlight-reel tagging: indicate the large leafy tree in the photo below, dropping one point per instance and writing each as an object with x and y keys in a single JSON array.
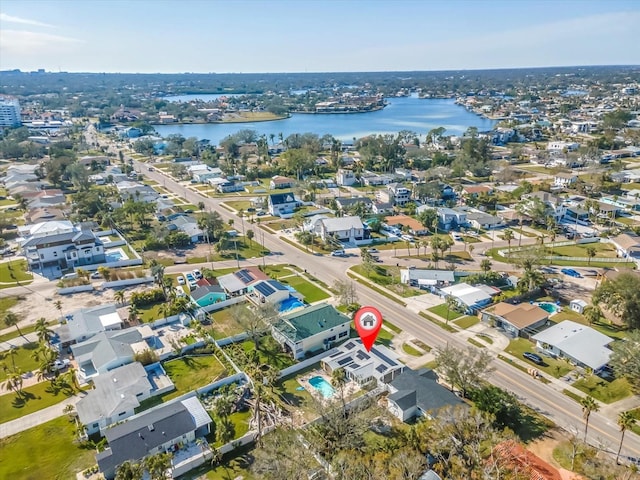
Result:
[
  {"x": 625, "y": 359},
  {"x": 463, "y": 369},
  {"x": 620, "y": 296}
]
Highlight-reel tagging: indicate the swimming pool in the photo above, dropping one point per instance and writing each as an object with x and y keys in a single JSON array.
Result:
[
  {"x": 290, "y": 303},
  {"x": 320, "y": 384},
  {"x": 548, "y": 307},
  {"x": 115, "y": 255}
]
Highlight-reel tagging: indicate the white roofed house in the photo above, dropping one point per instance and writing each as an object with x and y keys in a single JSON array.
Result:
[
  {"x": 627, "y": 246},
  {"x": 115, "y": 396},
  {"x": 202, "y": 173},
  {"x": 345, "y": 229},
  {"x": 416, "y": 277},
  {"x": 564, "y": 180},
  {"x": 87, "y": 322},
  {"x": 469, "y": 297},
  {"x": 581, "y": 345},
  {"x": 380, "y": 364}
]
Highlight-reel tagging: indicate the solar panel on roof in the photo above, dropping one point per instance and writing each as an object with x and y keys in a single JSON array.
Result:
[
  {"x": 383, "y": 357},
  {"x": 264, "y": 288},
  {"x": 362, "y": 356},
  {"x": 244, "y": 276},
  {"x": 349, "y": 345},
  {"x": 344, "y": 361},
  {"x": 381, "y": 368}
]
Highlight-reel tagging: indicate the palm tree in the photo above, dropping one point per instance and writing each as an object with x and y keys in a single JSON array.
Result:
[
  {"x": 119, "y": 297},
  {"x": 133, "y": 313},
  {"x": 591, "y": 252},
  {"x": 129, "y": 471},
  {"x": 451, "y": 303},
  {"x": 625, "y": 421},
  {"x": 157, "y": 465},
  {"x": 14, "y": 382},
  {"x": 339, "y": 380},
  {"x": 589, "y": 405},
  {"x": 11, "y": 320},
  {"x": 508, "y": 236},
  {"x": 43, "y": 330},
  {"x": 485, "y": 265},
  {"x": 58, "y": 305}
]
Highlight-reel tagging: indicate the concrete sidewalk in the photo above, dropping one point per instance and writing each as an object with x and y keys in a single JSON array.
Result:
[
  {"x": 37, "y": 418},
  {"x": 19, "y": 341}
]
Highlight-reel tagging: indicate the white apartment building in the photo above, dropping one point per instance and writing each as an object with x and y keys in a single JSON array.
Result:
[{"x": 10, "y": 112}]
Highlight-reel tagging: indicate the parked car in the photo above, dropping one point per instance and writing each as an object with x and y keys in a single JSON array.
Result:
[
  {"x": 190, "y": 278},
  {"x": 338, "y": 253},
  {"x": 571, "y": 272},
  {"x": 261, "y": 213},
  {"x": 60, "y": 364},
  {"x": 537, "y": 359},
  {"x": 197, "y": 273},
  {"x": 180, "y": 280},
  {"x": 373, "y": 250}
]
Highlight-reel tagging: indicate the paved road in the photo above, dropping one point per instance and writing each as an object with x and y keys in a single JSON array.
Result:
[{"x": 558, "y": 407}]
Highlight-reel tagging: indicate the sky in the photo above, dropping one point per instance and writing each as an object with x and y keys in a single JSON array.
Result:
[{"x": 247, "y": 36}]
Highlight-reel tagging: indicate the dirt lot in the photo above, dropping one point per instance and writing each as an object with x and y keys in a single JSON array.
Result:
[
  {"x": 543, "y": 448},
  {"x": 180, "y": 255}
]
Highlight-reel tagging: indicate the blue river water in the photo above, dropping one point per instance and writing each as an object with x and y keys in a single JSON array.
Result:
[{"x": 405, "y": 113}]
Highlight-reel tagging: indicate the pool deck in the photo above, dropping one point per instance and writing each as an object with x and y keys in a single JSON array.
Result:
[{"x": 350, "y": 388}]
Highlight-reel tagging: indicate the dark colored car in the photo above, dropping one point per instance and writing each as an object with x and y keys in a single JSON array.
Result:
[{"x": 537, "y": 359}]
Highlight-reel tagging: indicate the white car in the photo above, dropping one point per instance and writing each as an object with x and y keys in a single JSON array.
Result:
[
  {"x": 61, "y": 364},
  {"x": 180, "y": 280},
  {"x": 197, "y": 273},
  {"x": 338, "y": 253}
]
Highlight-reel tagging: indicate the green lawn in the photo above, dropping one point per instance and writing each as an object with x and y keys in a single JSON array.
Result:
[
  {"x": 552, "y": 366},
  {"x": 442, "y": 311},
  {"x": 602, "y": 250},
  {"x": 240, "y": 422},
  {"x": 288, "y": 388},
  {"x": 239, "y": 204},
  {"x": 275, "y": 271},
  {"x": 603, "y": 390},
  {"x": 45, "y": 451},
  {"x": 150, "y": 312},
  {"x": 234, "y": 465},
  {"x": 309, "y": 290},
  {"x": 21, "y": 359},
  {"x": 609, "y": 329},
  {"x": 269, "y": 353},
  {"x": 409, "y": 350},
  {"x": 224, "y": 325},
  {"x": 16, "y": 268},
  {"x": 467, "y": 321},
  {"x": 189, "y": 373},
  {"x": 8, "y": 302},
  {"x": 38, "y": 396}
]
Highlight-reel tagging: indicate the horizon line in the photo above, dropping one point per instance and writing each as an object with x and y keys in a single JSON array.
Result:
[{"x": 490, "y": 69}]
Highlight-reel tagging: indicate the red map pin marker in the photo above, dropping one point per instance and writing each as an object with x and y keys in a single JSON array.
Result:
[{"x": 368, "y": 322}]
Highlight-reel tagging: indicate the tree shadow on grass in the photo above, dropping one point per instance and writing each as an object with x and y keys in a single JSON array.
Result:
[
  {"x": 22, "y": 400},
  {"x": 532, "y": 426}
]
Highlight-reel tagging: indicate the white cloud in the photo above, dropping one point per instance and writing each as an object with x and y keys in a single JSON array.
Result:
[
  {"x": 24, "y": 21},
  {"x": 24, "y": 42}
]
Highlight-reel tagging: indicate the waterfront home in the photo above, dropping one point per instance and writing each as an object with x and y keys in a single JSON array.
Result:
[
  {"x": 515, "y": 320},
  {"x": 380, "y": 364},
  {"x": 417, "y": 393},
  {"x": 579, "y": 344},
  {"x": 311, "y": 329}
]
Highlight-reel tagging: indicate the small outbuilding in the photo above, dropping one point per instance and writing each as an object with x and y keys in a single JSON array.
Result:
[{"x": 578, "y": 305}]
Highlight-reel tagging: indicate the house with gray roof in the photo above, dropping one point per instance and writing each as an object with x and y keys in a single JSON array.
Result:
[
  {"x": 418, "y": 394},
  {"x": 421, "y": 278},
  {"x": 580, "y": 344},
  {"x": 87, "y": 322},
  {"x": 115, "y": 397},
  {"x": 162, "y": 429},
  {"x": 345, "y": 203},
  {"x": 188, "y": 225},
  {"x": 361, "y": 366},
  {"x": 268, "y": 291},
  {"x": 107, "y": 350},
  {"x": 311, "y": 329},
  {"x": 206, "y": 295}
]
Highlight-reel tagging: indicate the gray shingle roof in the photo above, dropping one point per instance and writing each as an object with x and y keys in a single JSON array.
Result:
[{"x": 420, "y": 388}]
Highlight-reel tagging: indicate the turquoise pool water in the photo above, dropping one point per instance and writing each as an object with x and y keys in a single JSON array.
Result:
[
  {"x": 290, "y": 303},
  {"x": 322, "y": 386},
  {"x": 548, "y": 307}
]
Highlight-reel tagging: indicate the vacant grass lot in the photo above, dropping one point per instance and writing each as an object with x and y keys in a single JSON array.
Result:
[
  {"x": 442, "y": 311},
  {"x": 150, "y": 312},
  {"x": 189, "y": 373},
  {"x": 224, "y": 324},
  {"x": 603, "y": 390},
  {"x": 311, "y": 292},
  {"x": 240, "y": 422},
  {"x": 45, "y": 451},
  {"x": 35, "y": 398},
  {"x": 269, "y": 353},
  {"x": 602, "y": 250},
  {"x": 21, "y": 359},
  {"x": 10, "y": 272},
  {"x": 467, "y": 321},
  {"x": 552, "y": 366}
]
